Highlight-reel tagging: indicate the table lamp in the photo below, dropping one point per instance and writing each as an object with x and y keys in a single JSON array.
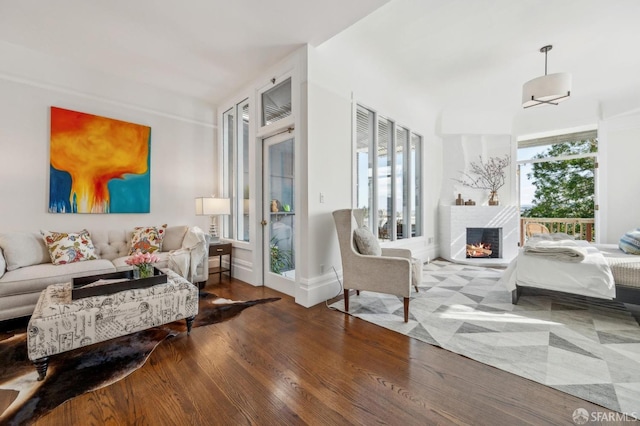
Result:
[{"x": 210, "y": 206}]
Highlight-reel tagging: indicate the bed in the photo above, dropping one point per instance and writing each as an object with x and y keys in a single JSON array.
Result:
[{"x": 601, "y": 271}]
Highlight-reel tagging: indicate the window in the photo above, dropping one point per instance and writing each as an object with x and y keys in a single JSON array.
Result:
[
  {"x": 388, "y": 175},
  {"x": 276, "y": 103},
  {"x": 364, "y": 161},
  {"x": 235, "y": 132},
  {"x": 557, "y": 181}
]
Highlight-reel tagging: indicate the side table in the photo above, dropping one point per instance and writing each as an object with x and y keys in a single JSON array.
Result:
[{"x": 221, "y": 249}]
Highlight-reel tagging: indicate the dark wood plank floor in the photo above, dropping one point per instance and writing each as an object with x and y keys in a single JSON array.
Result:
[{"x": 280, "y": 363}]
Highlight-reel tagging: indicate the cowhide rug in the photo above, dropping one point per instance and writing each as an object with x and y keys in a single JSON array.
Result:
[{"x": 23, "y": 399}]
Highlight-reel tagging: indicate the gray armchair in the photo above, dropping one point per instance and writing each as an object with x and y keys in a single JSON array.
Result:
[{"x": 389, "y": 273}]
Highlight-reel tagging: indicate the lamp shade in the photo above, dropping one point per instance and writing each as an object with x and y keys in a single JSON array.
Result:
[
  {"x": 209, "y": 206},
  {"x": 547, "y": 89}
]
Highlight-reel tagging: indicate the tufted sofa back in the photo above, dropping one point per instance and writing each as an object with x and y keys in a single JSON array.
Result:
[{"x": 111, "y": 244}]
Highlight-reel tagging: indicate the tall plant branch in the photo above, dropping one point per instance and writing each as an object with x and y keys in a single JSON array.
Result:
[{"x": 489, "y": 175}]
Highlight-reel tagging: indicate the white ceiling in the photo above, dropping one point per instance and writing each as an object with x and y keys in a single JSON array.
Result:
[
  {"x": 461, "y": 52},
  {"x": 478, "y": 53},
  {"x": 200, "y": 48}
]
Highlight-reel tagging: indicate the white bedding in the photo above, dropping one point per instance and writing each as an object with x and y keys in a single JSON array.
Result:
[{"x": 591, "y": 277}]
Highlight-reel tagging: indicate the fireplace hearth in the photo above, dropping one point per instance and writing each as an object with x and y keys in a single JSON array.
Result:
[{"x": 484, "y": 243}]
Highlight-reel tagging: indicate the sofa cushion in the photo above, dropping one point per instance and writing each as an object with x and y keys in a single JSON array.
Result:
[
  {"x": 147, "y": 239},
  {"x": 366, "y": 242},
  {"x": 23, "y": 249},
  {"x": 173, "y": 238},
  {"x": 37, "y": 277},
  {"x": 69, "y": 247},
  {"x": 630, "y": 242}
]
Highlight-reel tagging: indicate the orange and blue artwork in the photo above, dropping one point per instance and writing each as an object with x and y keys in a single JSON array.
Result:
[{"x": 98, "y": 164}]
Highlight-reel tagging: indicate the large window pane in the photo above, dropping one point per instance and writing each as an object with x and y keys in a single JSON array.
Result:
[
  {"x": 242, "y": 173},
  {"x": 415, "y": 185},
  {"x": 282, "y": 224},
  {"x": 228, "y": 145},
  {"x": 384, "y": 182},
  {"x": 276, "y": 103},
  {"x": 364, "y": 161},
  {"x": 401, "y": 183},
  {"x": 235, "y": 164}
]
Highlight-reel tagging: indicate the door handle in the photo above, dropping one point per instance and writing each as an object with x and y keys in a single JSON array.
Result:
[{"x": 263, "y": 222}]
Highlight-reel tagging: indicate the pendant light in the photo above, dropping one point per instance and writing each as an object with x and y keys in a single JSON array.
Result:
[{"x": 549, "y": 89}]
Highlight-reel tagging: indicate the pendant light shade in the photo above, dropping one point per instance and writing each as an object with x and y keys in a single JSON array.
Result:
[{"x": 547, "y": 89}]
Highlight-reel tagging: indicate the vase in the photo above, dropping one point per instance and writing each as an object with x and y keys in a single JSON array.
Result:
[
  {"x": 493, "y": 198},
  {"x": 144, "y": 270}
]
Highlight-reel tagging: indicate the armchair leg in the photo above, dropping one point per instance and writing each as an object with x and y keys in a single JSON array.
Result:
[
  {"x": 417, "y": 291},
  {"x": 406, "y": 309},
  {"x": 346, "y": 300},
  {"x": 357, "y": 292}
]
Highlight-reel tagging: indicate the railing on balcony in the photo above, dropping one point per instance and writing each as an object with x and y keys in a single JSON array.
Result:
[{"x": 579, "y": 228}]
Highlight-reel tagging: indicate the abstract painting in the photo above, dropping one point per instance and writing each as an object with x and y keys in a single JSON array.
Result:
[{"x": 98, "y": 164}]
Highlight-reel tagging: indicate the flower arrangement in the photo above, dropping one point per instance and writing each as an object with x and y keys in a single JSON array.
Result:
[
  {"x": 143, "y": 262},
  {"x": 490, "y": 175}
]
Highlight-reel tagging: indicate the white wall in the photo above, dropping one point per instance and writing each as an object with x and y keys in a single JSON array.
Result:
[
  {"x": 339, "y": 77},
  {"x": 329, "y": 174},
  {"x": 459, "y": 151},
  {"x": 182, "y": 135},
  {"x": 619, "y": 191}
]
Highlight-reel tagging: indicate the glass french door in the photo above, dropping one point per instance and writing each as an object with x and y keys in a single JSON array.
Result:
[{"x": 279, "y": 213}]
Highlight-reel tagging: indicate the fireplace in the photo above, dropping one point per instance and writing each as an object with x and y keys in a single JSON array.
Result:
[
  {"x": 484, "y": 243},
  {"x": 454, "y": 221}
]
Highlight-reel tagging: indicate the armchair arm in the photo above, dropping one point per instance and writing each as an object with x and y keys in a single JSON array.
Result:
[
  {"x": 391, "y": 275},
  {"x": 397, "y": 252}
]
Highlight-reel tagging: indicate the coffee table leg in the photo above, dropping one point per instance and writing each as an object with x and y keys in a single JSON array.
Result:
[
  {"x": 41, "y": 367},
  {"x": 190, "y": 323}
]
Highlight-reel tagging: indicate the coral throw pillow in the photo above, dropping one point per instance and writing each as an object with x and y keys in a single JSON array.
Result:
[
  {"x": 147, "y": 239},
  {"x": 69, "y": 247}
]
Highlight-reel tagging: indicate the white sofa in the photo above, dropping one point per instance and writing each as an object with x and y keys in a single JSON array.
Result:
[{"x": 26, "y": 268}]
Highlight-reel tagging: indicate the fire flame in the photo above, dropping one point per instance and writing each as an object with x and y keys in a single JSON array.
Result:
[{"x": 479, "y": 250}]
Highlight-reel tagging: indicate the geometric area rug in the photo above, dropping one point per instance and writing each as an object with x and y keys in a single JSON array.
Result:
[
  {"x": 586, "y": 347},
  {"x": 23, "y": 399}
]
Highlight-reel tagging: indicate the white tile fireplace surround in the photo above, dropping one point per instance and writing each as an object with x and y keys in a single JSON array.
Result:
[{"x": 454, "y": 221}]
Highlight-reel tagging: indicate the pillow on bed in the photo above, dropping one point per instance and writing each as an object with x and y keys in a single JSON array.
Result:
[{"x": 630, "y": 242}]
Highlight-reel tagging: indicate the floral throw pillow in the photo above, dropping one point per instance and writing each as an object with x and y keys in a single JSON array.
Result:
[
  {"x": 147, "y": 239},
  {"x": 69, "y": 247}
]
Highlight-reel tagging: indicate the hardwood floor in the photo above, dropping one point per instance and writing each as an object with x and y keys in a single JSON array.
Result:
[{"x": 280, "y": 363}]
